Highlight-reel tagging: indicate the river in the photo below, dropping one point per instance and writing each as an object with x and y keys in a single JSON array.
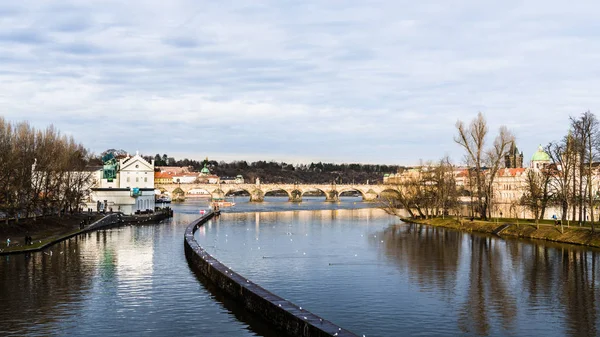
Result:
[{"x": 347, "y": 262}]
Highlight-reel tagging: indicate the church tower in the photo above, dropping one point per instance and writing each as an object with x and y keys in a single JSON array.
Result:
[
  {"x": 513, "y": 159},
  {"x": 540, "y": 159}
]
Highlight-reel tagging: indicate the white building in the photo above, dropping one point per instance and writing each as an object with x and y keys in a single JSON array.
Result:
[
  {"x": 125, "y": 186},
  {"x": 185, "y": 178}
]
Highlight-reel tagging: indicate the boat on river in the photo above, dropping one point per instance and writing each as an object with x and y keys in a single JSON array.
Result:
[
  {"x": 222, "y": 202},
  {"x": 164, "y": 199}
]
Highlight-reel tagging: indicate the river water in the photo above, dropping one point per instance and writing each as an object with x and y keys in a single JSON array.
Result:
[{"x": 347, "y": 262}]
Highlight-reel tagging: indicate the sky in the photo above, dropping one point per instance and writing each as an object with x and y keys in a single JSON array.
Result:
[{"x": 298, "y": 81}]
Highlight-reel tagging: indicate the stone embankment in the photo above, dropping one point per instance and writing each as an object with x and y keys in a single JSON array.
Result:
[
  {"x": 276, "y": 311},
  {"x": 571, "y": 235}
]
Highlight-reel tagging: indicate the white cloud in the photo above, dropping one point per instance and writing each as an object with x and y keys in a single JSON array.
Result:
[{"x": 345, "y": 81}]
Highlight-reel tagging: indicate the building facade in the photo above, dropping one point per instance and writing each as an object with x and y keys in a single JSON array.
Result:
[
  {"x": 123, "y": 185},
  {"x": 509, "y": 187}
]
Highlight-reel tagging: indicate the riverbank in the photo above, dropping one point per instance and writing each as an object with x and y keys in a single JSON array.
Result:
[
  {"x": 572, "y": 235},
  {"x": 49, "y": 230}
]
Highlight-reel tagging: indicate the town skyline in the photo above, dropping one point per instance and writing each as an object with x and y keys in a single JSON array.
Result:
[{"x": 297, "y": 82}]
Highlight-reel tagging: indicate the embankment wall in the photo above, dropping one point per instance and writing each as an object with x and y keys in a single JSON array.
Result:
[{"x": 280, "y": 313}]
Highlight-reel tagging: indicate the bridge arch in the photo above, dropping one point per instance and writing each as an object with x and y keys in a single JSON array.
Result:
[
  {"x": 351, "y": 189},
  {"x": 217, "y": 193},
  {"x": 197, "y": 192},
  {"x": 278, "y": 189},
  {"x": 368, "y": 195},
  {"x": 312, "y": 189},
  {"x": 236, "y": 190},
  {"x": 389, "y": 190},
  {"x": 388, "y": 193},
  {"x": 331, "y": 195}
]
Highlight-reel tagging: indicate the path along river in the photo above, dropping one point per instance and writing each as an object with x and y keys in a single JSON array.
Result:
[{"x": 346, "y": 262}]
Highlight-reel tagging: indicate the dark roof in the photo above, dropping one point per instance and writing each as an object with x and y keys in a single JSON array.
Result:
[{"x": 93, "y": 168}]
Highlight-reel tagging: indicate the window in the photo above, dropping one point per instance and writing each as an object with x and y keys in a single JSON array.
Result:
[
  {"x": 137, "y": 179},
  {"x": 127, "y": 179},
  {"x": 145, "y": 179}
]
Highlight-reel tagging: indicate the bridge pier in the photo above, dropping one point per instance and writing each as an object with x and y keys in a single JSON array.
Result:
[
  {"x": 332, "y": 196},
  {"x": 295, "y": 196},
  {"x": 369, "y": 196},
  {"x": 257, "y": 196},
  {"x": 217, "y": 195}
]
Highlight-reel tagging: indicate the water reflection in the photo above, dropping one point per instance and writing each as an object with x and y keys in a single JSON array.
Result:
[
  {"x": 428, "y": 254},
  {"x": 500, "y": 286},
  {"x": 488, "y": 296},
  {"x": 36, "y": 288},
  {"x": 128, "y": 280}
]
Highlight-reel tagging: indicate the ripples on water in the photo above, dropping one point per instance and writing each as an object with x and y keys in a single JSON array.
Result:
[
  {"x": 364, "y": 271},
  {"x": 357, "y": 267}
]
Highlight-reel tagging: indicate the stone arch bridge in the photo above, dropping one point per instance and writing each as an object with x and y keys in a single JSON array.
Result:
[{"x": 294, "y": 191}]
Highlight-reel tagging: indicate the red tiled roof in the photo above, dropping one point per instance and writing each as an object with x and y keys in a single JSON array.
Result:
[
  {"x": 185, "y": 175},
  {"x": 511, "y": 172},
  {"x": 163, "y": 175}
]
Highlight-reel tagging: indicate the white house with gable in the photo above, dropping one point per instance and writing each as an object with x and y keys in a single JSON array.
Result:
[{"x": 126, "y": 185}]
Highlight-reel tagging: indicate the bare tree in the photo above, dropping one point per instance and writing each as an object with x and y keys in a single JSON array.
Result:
[
  {"x": 587, "y": 141},
  {"x": 5, "y": 163},
  {"x": 39, "y": 170},
  {"x": 473, "y": 140},
  {"x": 400, "y": 196},
  {"x": 533, "y": 193},
  {"x": 563, "y": 163},
  {"x": 426, "y": 190},
  {"x": 446, "y": 192}
]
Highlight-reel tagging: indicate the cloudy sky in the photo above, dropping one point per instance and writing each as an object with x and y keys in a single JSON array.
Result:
[{"x": 298, "y": 81}]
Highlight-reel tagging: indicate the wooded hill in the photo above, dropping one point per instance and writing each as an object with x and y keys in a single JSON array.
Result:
[{"x": 281, "y": 172}]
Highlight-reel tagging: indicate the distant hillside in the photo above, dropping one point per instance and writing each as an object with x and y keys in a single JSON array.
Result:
[{"x": 274, "y": 172}]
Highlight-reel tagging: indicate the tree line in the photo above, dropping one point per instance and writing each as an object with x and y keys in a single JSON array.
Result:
[
  {"x": 426, "y": 190},
  {"x": 282, "y": 172},
  {"x": 41, "y": 171}
]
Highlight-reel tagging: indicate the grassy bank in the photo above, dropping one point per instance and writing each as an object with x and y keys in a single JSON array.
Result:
[
  {"x": 41, "y": 229},
  {"x": 572, "y": 235}
]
